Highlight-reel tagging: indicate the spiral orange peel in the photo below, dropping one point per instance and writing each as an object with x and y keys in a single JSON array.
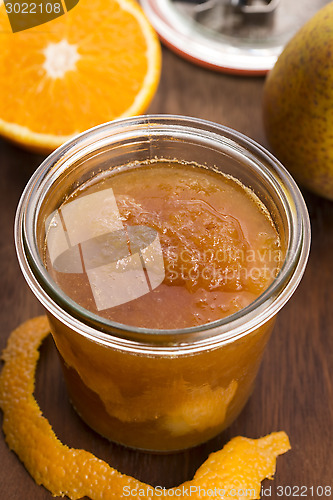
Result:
[{"x": 236, "y": 471}]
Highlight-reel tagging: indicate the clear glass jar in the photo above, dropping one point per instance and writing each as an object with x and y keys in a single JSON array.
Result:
[{"x": 160, "y": 390}]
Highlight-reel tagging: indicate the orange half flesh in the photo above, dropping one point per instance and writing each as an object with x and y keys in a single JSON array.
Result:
[{"x": 98, "y": 62}]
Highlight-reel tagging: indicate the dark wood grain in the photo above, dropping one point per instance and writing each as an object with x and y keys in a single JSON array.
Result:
[{"x": 294, "y": 390}]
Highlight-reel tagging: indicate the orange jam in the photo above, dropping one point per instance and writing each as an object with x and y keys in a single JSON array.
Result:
[
  {"x": 219, "y": 245},
  {"x": 161, "y": 245}
]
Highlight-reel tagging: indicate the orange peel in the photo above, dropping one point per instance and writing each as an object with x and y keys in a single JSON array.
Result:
[{"x": 236, "y": 471}]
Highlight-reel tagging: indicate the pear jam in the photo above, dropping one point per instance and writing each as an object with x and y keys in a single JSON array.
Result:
[{"x": 163, "y": 246}]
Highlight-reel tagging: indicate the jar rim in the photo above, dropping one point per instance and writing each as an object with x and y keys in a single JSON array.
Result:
[{"x": 105, "y": 331}]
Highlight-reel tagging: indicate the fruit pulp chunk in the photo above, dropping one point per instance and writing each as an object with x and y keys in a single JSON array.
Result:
[
  {"x": 177, "y": 246},
  {"x": 163, "y": 246}
]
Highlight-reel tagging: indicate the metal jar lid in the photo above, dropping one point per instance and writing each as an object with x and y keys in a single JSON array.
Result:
[{"x": 235, "y": 36}]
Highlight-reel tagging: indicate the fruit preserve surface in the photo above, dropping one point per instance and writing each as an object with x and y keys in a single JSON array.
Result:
[{"x": 215, "y": 248}]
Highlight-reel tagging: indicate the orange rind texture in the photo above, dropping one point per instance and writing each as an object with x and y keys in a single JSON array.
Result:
[{"x": 239, "y": 467}]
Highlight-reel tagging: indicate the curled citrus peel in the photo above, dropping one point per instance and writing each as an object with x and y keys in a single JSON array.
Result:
[{"x": 239, "y": 467}]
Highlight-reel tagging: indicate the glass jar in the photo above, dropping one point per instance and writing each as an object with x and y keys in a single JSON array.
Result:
[{"x": 160, "y": 390}]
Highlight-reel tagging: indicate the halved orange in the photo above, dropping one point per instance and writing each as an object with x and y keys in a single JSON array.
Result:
[{"x": 98, "y": 62}]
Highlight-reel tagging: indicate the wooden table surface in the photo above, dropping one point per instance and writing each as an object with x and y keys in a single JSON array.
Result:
[{"x": 294, "y": 390}]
